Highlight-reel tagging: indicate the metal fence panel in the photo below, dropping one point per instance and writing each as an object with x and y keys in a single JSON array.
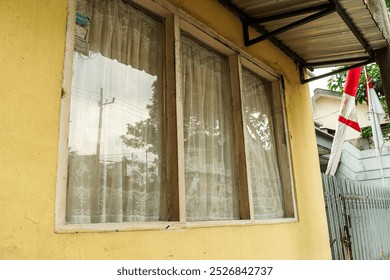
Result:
[{"x": 358, "y": 219}]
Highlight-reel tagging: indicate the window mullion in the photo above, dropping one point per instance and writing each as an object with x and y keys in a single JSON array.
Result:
[
  {"x": 172, "y": 170},
  {"x": 245, "y": 192},
  {"x": 180, "y": 118}
]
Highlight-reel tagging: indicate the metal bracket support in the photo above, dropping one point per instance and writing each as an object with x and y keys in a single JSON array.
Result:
[
  {"x": 323, "y": 10},
  {"x": 304, "y": 80}
]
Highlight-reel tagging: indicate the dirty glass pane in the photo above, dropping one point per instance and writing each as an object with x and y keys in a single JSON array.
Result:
[
  {"x": 116, "y": 155},
  {"x": 211, "y": 192},
  {"x": 262, "y": 163}
]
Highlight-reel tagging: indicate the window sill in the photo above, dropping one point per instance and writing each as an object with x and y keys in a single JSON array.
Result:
[{"x": 150, "y": 226}]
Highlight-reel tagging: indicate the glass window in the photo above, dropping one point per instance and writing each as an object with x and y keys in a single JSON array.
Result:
[
  {"x": 116, "y": 157},
  {"x": 211, "y": 193},
  {"x": 166, "y": 126},
  {"x": 262, "y": 161}
]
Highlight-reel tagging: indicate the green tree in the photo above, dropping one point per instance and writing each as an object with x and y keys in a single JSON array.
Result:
[{"x": 337, "y": 83}]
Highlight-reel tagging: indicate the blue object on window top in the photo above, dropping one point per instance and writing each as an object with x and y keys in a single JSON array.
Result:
[{"x": 81, "y": 19}]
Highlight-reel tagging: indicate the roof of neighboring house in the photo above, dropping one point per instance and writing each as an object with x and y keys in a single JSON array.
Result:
[{"x": 319, "y": 92}]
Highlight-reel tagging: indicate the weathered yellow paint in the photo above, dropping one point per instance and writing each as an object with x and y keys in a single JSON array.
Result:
[{"x": 32, "y": 36}]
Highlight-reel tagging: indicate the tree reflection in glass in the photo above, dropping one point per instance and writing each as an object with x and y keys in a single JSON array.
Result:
[{"x": 127, "y": 155}]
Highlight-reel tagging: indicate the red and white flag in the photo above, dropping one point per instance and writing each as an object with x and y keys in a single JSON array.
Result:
[
  {"x": 347, "y": 117},
  {"x": 377, "y": 114}
]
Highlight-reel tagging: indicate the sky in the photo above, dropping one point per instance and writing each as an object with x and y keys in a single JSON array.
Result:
[{"x": 321, "y": 83}]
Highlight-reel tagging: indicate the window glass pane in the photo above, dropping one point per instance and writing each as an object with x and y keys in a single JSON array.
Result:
[
  {"x": 116, "y": 157},
  {"x": 262, "y": 162},
  {"x": 211, "y": 193}
]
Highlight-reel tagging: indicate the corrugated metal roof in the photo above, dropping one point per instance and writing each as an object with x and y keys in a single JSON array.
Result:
[{"x": 324, "y": 39}]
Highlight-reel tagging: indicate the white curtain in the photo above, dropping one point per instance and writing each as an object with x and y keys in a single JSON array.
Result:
[
  {"x": 116, "y": 175},
  {"x": 211, "y": 193},
  {"x": 121, "y": 32},
  {"x": 261, "y": 152}
]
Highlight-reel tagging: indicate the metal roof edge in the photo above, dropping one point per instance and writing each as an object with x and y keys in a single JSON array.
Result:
[{"x": 380, "y": 16}]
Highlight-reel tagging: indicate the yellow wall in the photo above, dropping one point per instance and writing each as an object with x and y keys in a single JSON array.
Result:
[{"x": 32, "y": 36}]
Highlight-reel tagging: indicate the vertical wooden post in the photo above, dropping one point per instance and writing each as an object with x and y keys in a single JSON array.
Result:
[{"x": 383, "y": 60}]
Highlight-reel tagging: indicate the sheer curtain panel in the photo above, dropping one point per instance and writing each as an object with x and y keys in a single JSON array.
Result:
[
  {"x": 262, "y": 161},
  {"x": 211, "y": 192}
]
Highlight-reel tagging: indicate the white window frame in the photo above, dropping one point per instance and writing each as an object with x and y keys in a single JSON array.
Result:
[{"x": 177, "y": 21}]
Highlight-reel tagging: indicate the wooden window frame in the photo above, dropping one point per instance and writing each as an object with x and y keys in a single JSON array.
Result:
[{"x": 177, "y": 21}]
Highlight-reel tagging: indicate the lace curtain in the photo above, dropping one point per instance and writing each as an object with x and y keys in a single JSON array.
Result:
[
  {"x": 262, "y": 158},
  {"x": 121, "y": 32},
  {"x": 115, "y": 152},
  {"x": 211, "y": 193}
]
